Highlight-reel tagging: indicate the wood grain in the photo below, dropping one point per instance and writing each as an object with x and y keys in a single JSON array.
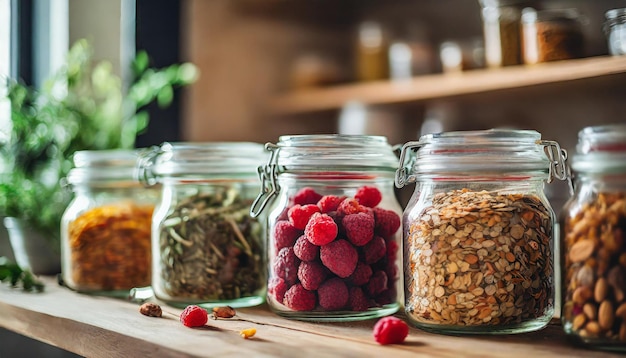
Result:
[
  {"x": 105, "y": 327},
  {"x": 447, "y": 85}
]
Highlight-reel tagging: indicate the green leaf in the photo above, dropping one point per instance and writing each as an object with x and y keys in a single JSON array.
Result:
[
  {"x": 140, "y": 64},
  {"x": 165, "y": 96}
]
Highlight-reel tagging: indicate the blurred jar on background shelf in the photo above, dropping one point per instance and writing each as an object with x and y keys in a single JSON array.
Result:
[
  {"x": 615, "y": 30},
  {"x": 462, "y": 55},
  {"x": 372, "y": 62},
  {"x": 552, "y": 35},
  {"x": 314, "y": 70},
  {"x": 411, "y": 54},
  {"x": 501, "y": 30}
]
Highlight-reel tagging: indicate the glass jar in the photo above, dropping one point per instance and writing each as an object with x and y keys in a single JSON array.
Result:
[
  {"x": 615, "y": 30},
  {"x": 501, "y": 31},
  {"x": 105, "y": 230},
  {"x": 206, "y": 248},
  {"x": 551, "y": 35},
  {"x": 333, "y": 227},
  {"x": 593, "y": 243},
  {"x": 478, "y": 231}
]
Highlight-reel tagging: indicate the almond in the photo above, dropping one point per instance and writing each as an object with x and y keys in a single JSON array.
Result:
[
  {"x": 581, "y": 250},
  {"x": 605, "y": 315},
  {"x": 601, "y": 290},
  {"x": 582, "y": 294},
  {"x": 621, "y": 311}
]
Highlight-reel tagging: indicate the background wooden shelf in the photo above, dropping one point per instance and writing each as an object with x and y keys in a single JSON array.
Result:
[
  {"x": 106, "y": 327},
  {"x": 446, "y": 85}
]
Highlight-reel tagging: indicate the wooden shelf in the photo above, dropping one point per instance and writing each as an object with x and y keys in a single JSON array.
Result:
[
  {"x": 446, "y": 85},
  {"x": 105, "y": 327}
]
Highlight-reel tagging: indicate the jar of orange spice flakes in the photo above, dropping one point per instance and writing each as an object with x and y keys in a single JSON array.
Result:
[{"x": 105, "y": 231}]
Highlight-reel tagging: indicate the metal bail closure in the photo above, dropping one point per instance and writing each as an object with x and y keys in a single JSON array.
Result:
[
  {"x": 143, "y": 169},
  {"x": 403, "y": 176},
  {"x": 558, "y": 161},
  {"x": 269, "y": 187}
]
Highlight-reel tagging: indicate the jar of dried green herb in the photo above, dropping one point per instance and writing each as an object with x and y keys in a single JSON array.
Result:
[
  {"x": 333, "y": 227},
  {"x": 207, "y": 250}
]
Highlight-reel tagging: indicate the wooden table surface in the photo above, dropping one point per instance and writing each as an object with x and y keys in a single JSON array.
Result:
[{"x": 106, "y": 327}]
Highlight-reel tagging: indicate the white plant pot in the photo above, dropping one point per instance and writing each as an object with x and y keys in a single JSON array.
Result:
[
  {"x": 31, "y": 249},
  {"x": 5, "y": 244}
]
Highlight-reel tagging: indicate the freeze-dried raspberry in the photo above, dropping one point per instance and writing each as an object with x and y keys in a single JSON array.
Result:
[
  {"x": 299, "y": 299},
  {"x": 378, "y": 283},
  {"x": 374, "y": 250},
  {"x": 277, "y": 287},
  {"x": 390, "y": 330},
  {"x": 285, "y": 234},
  {"x": 340, "y": 257},
  {"x": 299, "y": 215},
  {"x": 368, "y": 196},
  {"x": 194, "y": 316},
  {"x": 305, "y": 250},
  {"x": 306, "y": 196},
  {"x": 386, "y": 297},
  {"x": 333, "y": 294},
  {"x": 391, "y": 270},
  {"x": 361, "y": 274},
  {"x": 286, "y": 265},
  {"x": 330, "y": 203},
  {"x": 387, "y": 222},
  {"x": 392, "y": 250},
  {"x": 311, "y": 274},
  {"x": 351, "y": 206},
  {"x": 358, "y": 301},
  {"x": 321, "y": 229},
  {"x": 359, "y": 228}
]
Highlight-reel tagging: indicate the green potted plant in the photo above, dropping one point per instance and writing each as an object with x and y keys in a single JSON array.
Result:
[{"x": 81, "y": 107}]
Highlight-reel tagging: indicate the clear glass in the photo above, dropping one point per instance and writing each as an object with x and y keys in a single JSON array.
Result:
[
  {"x": 478, "y": 233},
  {"x": 207, "y": 250},
  {"x": 105, "y": 230},
  {"x": 593, "y": 241},
  {"x": 615, "y": 30},
  {"x": 349, "y": 269}
]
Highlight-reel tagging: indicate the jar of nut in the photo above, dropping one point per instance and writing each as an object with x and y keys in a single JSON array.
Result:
[
  {"x": 207, "y": 250},
  {"x": 333, "y": 227},
  {"x": 478, "y": 231},
  {"x": 594, "y": 241},
  {"x": 105, "y": 230}
]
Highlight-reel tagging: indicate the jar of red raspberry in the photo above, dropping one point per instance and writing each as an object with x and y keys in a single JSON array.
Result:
[
  {"x": 207, "y": 250},
  {"x": 479, "y": 231},
  {"x": 333, "y": 227}
]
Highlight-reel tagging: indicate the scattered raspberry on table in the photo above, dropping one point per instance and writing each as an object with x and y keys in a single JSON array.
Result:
[
  {"x": 390, "y": 330},
  {"x": 194, "y": 316}
]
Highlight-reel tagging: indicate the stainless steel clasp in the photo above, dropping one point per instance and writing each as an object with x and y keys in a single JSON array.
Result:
[
  {"x": 403, "y": 173},
  {"x": 559, "y": 168},
  {"x": 268, "y": 175}
]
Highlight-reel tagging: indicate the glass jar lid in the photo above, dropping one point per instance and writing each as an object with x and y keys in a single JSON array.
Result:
[
  {"x": 601, "y": 149},
  {"x": 321, "y": 154},
  {"x": 332, "y": 151},
  {"x": 487, "y": 153},
  {"x": 199, "y": 160},
  {"x": 614, "y": 17},
  {"x": 93, "y": 166}
]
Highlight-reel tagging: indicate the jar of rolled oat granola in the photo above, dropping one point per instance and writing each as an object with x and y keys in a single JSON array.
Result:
[
  {"x": 105, "y": 230},
  {"x": 593, "y": 243},
  {"x": 333, "y": 227},
  {"x": 206, "y": 248},
  {"x": 478, "y": 231}
]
